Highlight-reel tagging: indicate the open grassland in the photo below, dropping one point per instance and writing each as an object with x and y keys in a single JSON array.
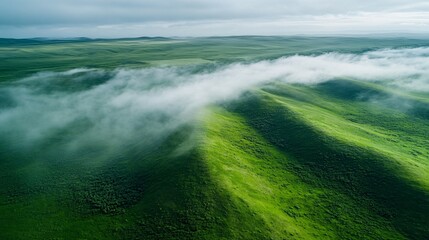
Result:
[
  {"x": 21, "y": 58},
  {"x": 339, "y": 159}
]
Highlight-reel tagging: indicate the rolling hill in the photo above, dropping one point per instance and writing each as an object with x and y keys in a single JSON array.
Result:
[{"x": 110, "y": 151}]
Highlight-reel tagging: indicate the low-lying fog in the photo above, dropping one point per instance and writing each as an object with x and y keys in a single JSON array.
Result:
[{"x": 112, "y": 108}]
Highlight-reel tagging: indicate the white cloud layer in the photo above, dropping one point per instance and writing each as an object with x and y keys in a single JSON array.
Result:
[
  {"x": 124, "y": 106},
  {"x": 133, "y": 18}
]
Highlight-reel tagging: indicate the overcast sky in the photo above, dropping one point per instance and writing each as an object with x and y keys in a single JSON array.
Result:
[{"x": 133, "y": 18}]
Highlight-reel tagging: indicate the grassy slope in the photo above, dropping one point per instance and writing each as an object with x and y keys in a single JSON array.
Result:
[
  {"x": 144, "y": 194},
  {"x": 279, "y": 191},
  {"x": 338, "y": 160},
  {"x": 310, "y": 172},
  {"x": 286, "y": 161},
  {"x": 349, "y": 157},
  {"x": 399, "y": 135}
]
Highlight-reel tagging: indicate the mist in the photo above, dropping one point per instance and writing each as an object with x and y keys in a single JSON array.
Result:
[{"x": 112, "y": 109}]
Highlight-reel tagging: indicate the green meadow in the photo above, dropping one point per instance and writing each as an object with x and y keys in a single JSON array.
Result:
[{"x": 342, "y": 158}]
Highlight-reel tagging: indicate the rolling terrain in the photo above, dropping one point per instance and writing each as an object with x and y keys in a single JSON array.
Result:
[{"x": 214, "y": 138}]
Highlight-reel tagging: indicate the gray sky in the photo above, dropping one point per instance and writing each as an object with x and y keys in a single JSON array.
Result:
[{"x": 133, "y": 18}]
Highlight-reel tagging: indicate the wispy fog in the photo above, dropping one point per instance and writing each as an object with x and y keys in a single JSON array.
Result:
[{"x": 112, "y": 109}]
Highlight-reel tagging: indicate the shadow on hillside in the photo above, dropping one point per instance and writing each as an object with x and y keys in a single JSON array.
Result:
[{"x": 357, "y": 172}]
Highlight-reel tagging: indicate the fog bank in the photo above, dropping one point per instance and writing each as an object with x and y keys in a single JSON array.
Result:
[{"x": 112, "y": 109}]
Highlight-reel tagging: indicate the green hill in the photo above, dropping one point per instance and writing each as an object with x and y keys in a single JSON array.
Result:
[{"x": 337, "y": 159}]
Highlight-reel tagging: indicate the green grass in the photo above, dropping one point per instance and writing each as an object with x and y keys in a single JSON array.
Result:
[
  {"x": 269, "y": 183},
  {"x": 337, "y": 160},
  {"x": 267, "y": 166},
  {"x": 345, "y": 156},
  {"x": 20, "y": 59},
  {"x": 402, "y": 139}
]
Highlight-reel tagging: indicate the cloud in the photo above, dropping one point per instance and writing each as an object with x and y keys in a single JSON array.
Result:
[
  {"x": 132, "y": 18},
  {"x": 109, "y": 110},
  {"x": 33, "y": 12},
  {"x": 329, "y": 24}
]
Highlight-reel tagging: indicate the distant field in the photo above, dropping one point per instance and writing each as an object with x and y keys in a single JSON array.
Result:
[
  {"x": 20, "y": 58},
  {"x": 214, "y": 138}
]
